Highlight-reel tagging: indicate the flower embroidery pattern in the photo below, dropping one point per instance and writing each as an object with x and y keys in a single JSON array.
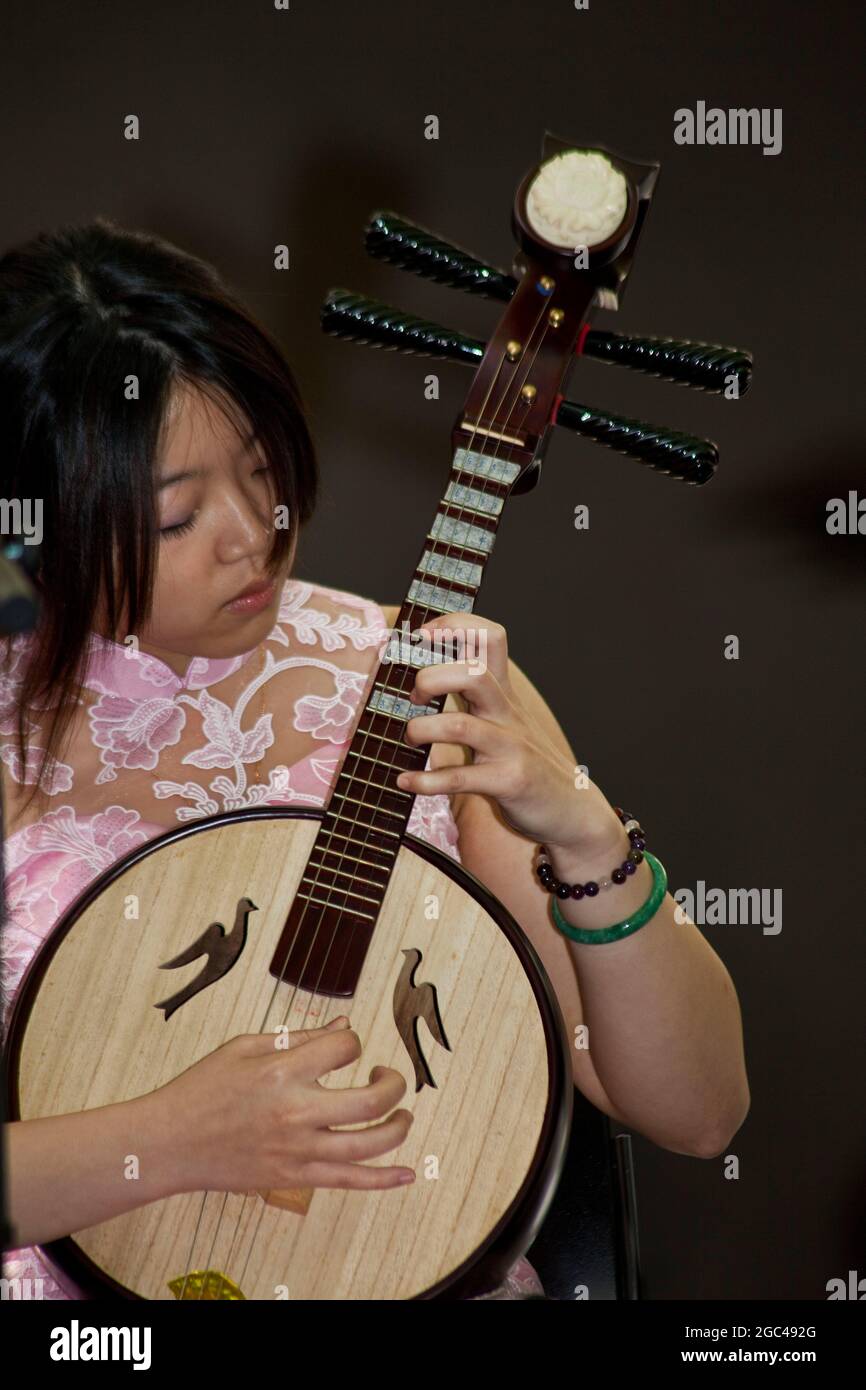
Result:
[
  {"x": 331, "y": 717},
  {"x": 312, "y": 625},
  {"x": 59, "y": 776},
  {"x": 133, "y": 734}
]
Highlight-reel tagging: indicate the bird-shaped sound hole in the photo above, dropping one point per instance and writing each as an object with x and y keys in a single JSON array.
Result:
[
  {"x": 413, "y": 1001},
  {"x": 222, "y": 950}
]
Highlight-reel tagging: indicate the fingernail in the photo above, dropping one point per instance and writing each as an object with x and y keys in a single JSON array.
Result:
[
  {"x": 341, "y": 1022},
  {"x": 406, "y": 1176}
]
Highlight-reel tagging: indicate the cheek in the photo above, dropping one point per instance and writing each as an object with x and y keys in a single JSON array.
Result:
[{"x": 180, "y": 593}]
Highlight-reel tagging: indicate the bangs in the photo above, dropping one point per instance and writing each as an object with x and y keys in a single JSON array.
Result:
[{"x": 100, "y": 327}]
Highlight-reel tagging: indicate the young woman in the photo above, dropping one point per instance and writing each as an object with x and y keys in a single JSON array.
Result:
[{"x": 180, "y": 670}]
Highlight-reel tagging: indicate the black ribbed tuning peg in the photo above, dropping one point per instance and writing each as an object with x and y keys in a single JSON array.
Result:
[
  {"x": 369, "y": 321},
  {"x": 705, "y": 366}
]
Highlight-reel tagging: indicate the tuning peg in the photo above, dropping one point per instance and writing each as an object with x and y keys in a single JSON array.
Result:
[
  {"x": 390, "y": 238},
  {"x": 684, "y": 456},
  {"x": 363, "y": 320},
  {"x": 705, "y": 366},
  {"x": 369, "y": 321}
]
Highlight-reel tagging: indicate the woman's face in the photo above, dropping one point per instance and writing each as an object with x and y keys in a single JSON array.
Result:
[{"x": 216, "y": 519}]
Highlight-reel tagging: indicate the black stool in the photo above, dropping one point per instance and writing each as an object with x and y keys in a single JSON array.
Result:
[{"x": 590, "y": 1234}]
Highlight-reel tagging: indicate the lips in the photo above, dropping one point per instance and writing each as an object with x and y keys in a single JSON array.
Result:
[{"x": 259, "y": 587}]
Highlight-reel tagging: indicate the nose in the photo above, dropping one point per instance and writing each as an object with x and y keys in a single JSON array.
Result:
[{"x": 244, "y": 527}]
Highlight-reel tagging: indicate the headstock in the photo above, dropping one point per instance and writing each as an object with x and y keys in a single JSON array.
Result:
[{"x": 577, "y": 219}]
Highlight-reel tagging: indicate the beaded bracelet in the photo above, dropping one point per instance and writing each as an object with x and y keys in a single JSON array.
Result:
[{"x": 618, "y": 875}]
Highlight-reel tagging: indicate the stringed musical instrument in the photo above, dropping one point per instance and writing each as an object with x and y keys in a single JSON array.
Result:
[{"x": 330, "y": 904}]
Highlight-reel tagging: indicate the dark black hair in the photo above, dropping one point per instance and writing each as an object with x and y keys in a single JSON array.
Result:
[{"x": 84, "y": 309}]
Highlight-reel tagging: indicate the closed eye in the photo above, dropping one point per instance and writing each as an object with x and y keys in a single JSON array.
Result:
[{"x": 179, "y": 529}]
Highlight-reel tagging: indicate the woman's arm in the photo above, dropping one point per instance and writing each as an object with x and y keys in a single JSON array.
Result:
[
  {"x": 663, "y": 1049},
  {"x": 68, "y": 1172},
  {"x": 665, "y": 1043}
]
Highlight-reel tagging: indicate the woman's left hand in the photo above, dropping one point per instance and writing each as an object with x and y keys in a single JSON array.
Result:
[{"x": 540, "y": 791}]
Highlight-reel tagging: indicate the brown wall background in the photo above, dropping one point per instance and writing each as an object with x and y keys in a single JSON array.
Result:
[{"x": 260, "y": 127}]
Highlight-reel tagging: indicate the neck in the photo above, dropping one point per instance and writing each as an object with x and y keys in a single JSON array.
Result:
[{"x": 366, "y": 814}]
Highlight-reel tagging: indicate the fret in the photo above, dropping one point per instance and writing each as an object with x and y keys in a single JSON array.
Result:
[
  {"x": 383, "y": 810},
  {"x": 401, "y": 652},
  {"x": 440, "y": 599},
  {"x": 462, "y": 533},
  {"x": 358, "y": 781},
  {"x": 364, "y": 825},
  {"x": 381, "y": 702},
  {"x": 369, "y": 758},
  {"x": 324, "y": 902},
  {"x": 384, "y": 738},
  {"x": 348, "y": 892},
  {"x": 350, "y": 839},
  {"x": 485, "y": 466},
  {"x": 451, "y": 567},
  {"x": 356, "y": 858},
  {"x": 469, "y": 499},
  {"x": 393, "y": 689},
  {"x": 344, "y": 873}
]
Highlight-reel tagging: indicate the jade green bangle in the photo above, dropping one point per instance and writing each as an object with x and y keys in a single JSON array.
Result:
[{"x": 638, "y": 919}]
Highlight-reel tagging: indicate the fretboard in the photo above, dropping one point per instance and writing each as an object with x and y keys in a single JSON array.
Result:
[{"x": 356, "y": 847}]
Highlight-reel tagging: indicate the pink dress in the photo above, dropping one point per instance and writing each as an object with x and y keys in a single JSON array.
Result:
[{"x": 152, "y": 750}]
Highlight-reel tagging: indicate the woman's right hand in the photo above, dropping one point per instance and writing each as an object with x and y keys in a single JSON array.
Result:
[{"x": 252, "y": 1116}]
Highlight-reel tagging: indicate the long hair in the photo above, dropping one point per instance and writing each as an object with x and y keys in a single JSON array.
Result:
[{"x": 99, "y": 326}]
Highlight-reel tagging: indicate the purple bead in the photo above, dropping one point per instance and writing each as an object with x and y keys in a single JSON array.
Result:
[
  {"x": 577, "y": 891},
  {"x": 618, "y": 876},
  {"x": 634, "y": 834},
  {"x": 629, "y": 866},
  {"x": 590, "y": 889},
  {"x": 563, "y": 890},
  {"x": 639, "y": 842}
]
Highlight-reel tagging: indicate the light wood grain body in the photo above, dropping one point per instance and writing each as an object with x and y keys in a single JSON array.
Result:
[{"x": 94, "y": 1037}]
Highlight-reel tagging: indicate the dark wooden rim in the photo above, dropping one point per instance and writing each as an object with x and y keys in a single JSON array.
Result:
[{"x": 516, "y": 1229}]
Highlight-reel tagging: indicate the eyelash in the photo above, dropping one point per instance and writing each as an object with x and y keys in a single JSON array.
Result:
[
  {"x": 178, "y": 530},
  {"x": 183, "y": 526}
]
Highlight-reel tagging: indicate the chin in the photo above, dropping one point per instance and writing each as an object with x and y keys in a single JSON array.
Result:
[{"x": 246, "y": 631}]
